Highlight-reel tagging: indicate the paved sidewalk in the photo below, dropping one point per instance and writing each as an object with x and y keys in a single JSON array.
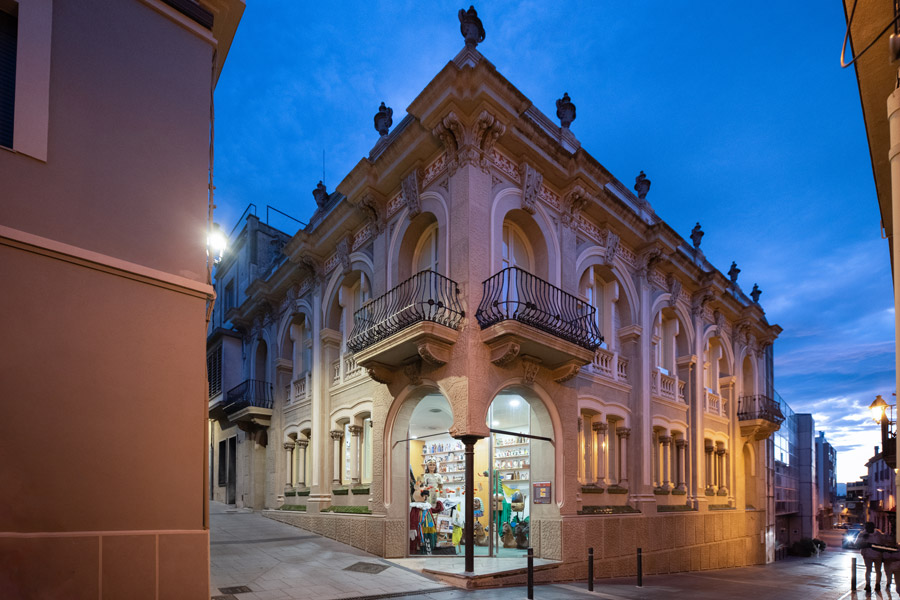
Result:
[{"x": 276, "y": 561}]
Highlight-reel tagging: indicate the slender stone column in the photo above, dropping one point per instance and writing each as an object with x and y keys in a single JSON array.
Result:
[
  {"x": 623, "y": 434},
  {"x": 680, "y": 447},
  {"x": 588, "y": 454},
  {"x": 654, "y": 459},
  {"x": 723, "y": 486},
  {"x": 602, "y": 455},
  {"x": 301, "y": 462},
  {"x": 666, "y": 479},
  {"x": 289, "y": 459},
  {"x": 355, "y": 430},
  {"x": 582, "y": 476},
  {"x": 336, "y": 437},
  {"x": 709, "y": 469}
]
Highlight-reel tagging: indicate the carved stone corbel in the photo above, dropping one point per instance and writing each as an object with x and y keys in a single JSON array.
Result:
[
  {"x": 699, "y": 301},
  {"x": 565, "y": 372},
  {"x": 343, "y": 253},
  {"x": 410, "y": 187},
  {"x": 413, "y": 371},
  {"x": 648, "y": 258},
  {"x": 674, "y": 287},
  {"x": 504, "y": 353},
  {"x": 434, "y": 353},
  {"x": 531, "y": 365},
  {"x": 573, "y": 204},
  {"x": 371, "y": 208},
  {"x": 380, "y": 373},
  {"x": 450, "y": 132},
  {"x": 532, "y": 181},
  {"x": 486, "y": 131},
  {"x": 611, "y": 246}
]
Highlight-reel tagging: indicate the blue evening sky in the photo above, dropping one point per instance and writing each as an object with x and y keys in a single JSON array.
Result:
[{"x": 740, "y": 115}]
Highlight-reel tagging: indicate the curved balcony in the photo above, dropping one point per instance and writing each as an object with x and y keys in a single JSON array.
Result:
[
  {"x": 249, "y": 403},
  {"x": 418, "y": 318},
  {"x": 760, "y": 416},
  {"x": 523, "y": 314}
]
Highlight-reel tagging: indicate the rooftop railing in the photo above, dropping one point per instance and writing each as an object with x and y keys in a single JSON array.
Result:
[
  {"x": 426, "y": 296},
  {"x": 514, "y": 294}
]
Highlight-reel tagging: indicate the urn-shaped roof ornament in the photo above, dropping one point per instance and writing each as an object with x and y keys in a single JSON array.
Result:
[
  {"x": 641, "y": 185},
  {"x": 470, "y": 27},
  {"x": 696, "y": 235},
  {"x": 320, "y": 194},
  {"x": 383, "y": 120},
  {"x": 755, "y": 293},
  {"x": 565, "y": 110},
  {"x": 733, "y": 272}
]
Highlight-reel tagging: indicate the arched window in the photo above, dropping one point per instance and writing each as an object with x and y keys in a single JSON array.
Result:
[
  {"x": 516, "y": 249},
  {"x": 603, "y": 295},
  {"x": 425, "y": 257}
]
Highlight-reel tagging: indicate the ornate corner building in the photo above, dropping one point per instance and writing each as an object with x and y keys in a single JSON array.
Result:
[{"x": 480, "y": 282}]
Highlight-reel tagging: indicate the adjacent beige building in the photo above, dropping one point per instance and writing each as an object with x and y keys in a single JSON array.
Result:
[
  {"x": 481, "y": 283},
  {"x": 104, "y": 161}
]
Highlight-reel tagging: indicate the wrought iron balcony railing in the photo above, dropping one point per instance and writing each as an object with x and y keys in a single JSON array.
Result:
[
  {"x": 251, "y": 392},
  {"x": 514, "y": 294},
  {"x": 759, "y": 407},
  {"x": 426, "y": 296}
]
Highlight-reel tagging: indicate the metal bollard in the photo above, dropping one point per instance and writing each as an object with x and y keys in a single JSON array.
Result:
[
  {"x": 590, "y": 569},
  {"x": 530, "y": 573},
  {"x": 853, "y": 574},
  {"x": 640, "y": 569}
]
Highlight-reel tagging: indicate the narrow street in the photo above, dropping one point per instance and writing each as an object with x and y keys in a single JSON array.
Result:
[{"x": 256, "y": 558}]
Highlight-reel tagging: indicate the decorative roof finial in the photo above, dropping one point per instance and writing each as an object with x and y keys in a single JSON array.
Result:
[
  {"x": 755, "y": 293},
  {"x": 733, "y": 272},
  {"x": 470, "y": 27},
  {"x": 641, "y": 185},
  {"x": 320, "y": 194},
  {"x": 383, "y": 119},
  {"x": 565, "y": 110},
  {"x": 696, "y": 235}
]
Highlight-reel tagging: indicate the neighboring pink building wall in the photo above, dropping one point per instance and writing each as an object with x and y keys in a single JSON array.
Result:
[{"x": 103, "y": 444}]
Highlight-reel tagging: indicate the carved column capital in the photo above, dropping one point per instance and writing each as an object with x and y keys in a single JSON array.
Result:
[
  {"x": 623, "y": 432},
  {"x": 355, "y": 430},
  {"x": 721, "y": 452},
  {"x": 302, "y": 444},
  {"x": 665, "y": 440},
  {"x": 680, "y": 443},
  {"x": 601, "y": 427},
  {"x": 336, "y": 435},
  {"x": 289, "y": 446}
]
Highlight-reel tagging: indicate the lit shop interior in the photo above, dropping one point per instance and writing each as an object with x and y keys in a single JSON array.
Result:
[{"x": 510, "y": 468}]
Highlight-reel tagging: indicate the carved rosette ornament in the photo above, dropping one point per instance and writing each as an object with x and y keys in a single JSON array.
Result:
[
  {"x": 573, "y": 204},
  {"x": 565, "y": 111},
  {"x": 532, "y": 181},
  {"x": 383, "y": 120},
  {"x": 468, "y": 145},
  {"x": 641, "y": 185},
  {"x": 410, "y": 186},
  {"x": 470, "y": 27}
]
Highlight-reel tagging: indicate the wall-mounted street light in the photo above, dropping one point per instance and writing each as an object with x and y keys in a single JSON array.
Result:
[
  {"x": 216, "y": 243},
  {"x": 877, "y": 408},
  {"x": 883, "y": 413}
]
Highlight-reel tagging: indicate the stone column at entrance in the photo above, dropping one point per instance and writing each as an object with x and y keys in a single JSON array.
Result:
[
  {"x": 301, "y": 462},
  {"x": 602, "y": 455},
  {"x": 709, "y": 469},
  {"x": 680, "y": 451},
  {"x": 355, "y": 430},
  {"x": 666, "y": 442},
  {"x": 588, "y": 455},
  {"x": 289, "y": 456},
  {"x": 623, "y": 434},
  {"x": 469, "y": 527},
  {"x": 336, "y": 437}
]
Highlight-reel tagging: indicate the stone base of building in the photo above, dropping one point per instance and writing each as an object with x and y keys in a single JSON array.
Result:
[{"x": 670, "y": 543}]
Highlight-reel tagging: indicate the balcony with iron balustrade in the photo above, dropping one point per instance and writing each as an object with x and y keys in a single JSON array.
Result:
[
  {"x": 523, "y": 315},
  {"x": 419, "y": 318},
  {"x": 249, "y": 404},
  {"x": 760, "y": 416}
]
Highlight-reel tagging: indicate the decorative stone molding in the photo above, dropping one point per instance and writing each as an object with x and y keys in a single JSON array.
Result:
[
  {"x": 336, "y": 435},
  {"x": 531, "y": 366},
  {"x": 410, "y": 187},
  {"x": 648, "y": 258},
  {"x": 312, "y": 265},
  {"x": 469, "y": 145},
  {"x": 289, "y": 446},
  {"x": 720, "y": 322},
  {"x": 665, "y": 440},
  {"x": 531, "y": 187},
  {"x": 413, "y": 372},
  {"x": 573, "y": 203},
  {"x": 504, "y": 353},
  {"x": 680, "y": 443},
  {"x": 434, "y": 353},
  {"x": 700, "y": 301},
  {"x": 565, "y": 372}
]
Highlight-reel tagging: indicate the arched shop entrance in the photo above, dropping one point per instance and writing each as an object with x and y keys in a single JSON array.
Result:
[{"x": 513, "y": 474}]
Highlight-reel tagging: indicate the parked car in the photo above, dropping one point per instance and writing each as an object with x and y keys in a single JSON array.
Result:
[{"x": 841, "y": 526}]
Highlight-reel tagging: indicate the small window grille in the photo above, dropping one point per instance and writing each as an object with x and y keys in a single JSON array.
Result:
[{"x": 214, "y": 371}]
